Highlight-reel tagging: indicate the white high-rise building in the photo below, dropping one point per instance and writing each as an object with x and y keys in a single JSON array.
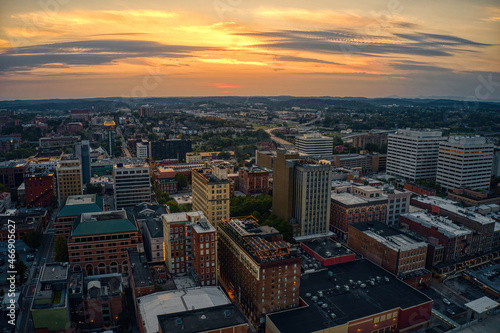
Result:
[
  {"x": 143, "y": 149},
  {"x": 132, "y": 185},
  {"x": 314, "y": 144},
  {"x": 413, "y": 154},
  {"x": 465, "y": 162}
]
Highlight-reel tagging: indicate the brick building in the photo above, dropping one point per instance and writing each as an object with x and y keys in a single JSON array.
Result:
[
  {"x": 419, "y": 189},
  {"x": 140, "y": 275},
  {"x": 378, "y": 139},
  {"x": 355, "y": 297},
  {"x": 10, "y": 142},
  {"x": 71, "y": 208},
  {"x": 257, "y": 268},
  {"x": 253, "y": 180},
  {"x": 399, "y": 253},
  {"x": 447, "y": 240},
  {"x": 80, "y": 115},
  {"x": 354, "y": 205},
  {"x": 39, "y": 189},
  {"x": 164, "y": 179},
  {"x": 190, "y": 246},
  {"x": 99, "y": 241},
  {"x": 102, "y": 299},
  {"x": 12, "y": 173}
]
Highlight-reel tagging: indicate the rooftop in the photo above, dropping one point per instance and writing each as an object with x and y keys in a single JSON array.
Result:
[
  {"x": 482, "y": 304},
  {"x": 78, "y": 204},
  {"x": 454, "y": 207},
  {"x": 54, "y": 272},
  {"x": 202, "y": 320},
  {"x": 155, "y": 228},
  {"x": 388, "y": 236},
  {"x": 104, "y": 223},
  {"x": 327, "y": 248},
  {"x": 349, "y": 199},
  {"x": 354, "y": 290},
  {"x": 103, "y": 285},
  {"x": 203, "y": 226},
  {"x": 140, "y": 269},
  {"x": 442, "y": 224},
  {"x": 174, "y": 301}
]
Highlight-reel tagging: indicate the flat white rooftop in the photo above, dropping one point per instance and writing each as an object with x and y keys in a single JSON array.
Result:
[
  {"x": 482, "y": 304},
  {"x": 153, "y": 305}
]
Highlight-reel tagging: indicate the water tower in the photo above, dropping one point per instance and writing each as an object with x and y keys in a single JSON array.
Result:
[{"x": 110, "y": 125}]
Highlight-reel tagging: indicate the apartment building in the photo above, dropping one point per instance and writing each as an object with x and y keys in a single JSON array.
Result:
[{"x": 69, "y": 178}]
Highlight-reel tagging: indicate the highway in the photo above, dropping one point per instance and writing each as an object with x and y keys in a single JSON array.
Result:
[{"x": 286, "y": 144}]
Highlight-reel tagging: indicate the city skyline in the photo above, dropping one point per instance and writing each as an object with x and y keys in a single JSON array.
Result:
[{"x": 67, "y": 49}]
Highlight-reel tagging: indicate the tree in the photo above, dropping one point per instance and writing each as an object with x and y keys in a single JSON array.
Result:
[
  {"x": 33, "y": 239},
  {"x": 224, "y": 155},
  {"x": 61, "y": 250},
  {"x": 20, "y": 268},
  {"x": 181, "y": 179},
  {"x": 94, "y": 189},
  {"x": 153, "y": 137}
]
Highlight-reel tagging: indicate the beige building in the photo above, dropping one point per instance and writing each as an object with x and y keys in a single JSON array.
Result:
[
  {"x": 69, "y": 178},
  {"x": 210, "y": 195},
  {"x": 193, "y": 158}
]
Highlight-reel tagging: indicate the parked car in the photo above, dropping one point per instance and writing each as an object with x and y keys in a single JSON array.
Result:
[
  {"x": 30, "y": 257},
  {"x": 446, "y": 301},
  {"x": 450, "y": 311}
]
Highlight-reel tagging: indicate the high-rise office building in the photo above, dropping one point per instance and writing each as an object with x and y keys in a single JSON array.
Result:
[
  {"x": 413, "y": 154},
  {"x": 170, "y": 149},
  {"x": 69, "y": 178},
  {"x": 283, "y": 184},
  {"x": 82, "y": 152},
  {"x": 301, "y": 194},
  {"x": 211, "y": 195},
  {"x": 143, "y": 149},
  {"x": 311, "y": 198},
  {"x": 257, "y": 268},
  {"x": 465, "y": 162},
  {"x": 132, "y": 184},
  {"x": 314, "y": 144}
]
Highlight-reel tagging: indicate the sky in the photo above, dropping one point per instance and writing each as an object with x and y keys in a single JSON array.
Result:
[{"x": 150, "y": 48}]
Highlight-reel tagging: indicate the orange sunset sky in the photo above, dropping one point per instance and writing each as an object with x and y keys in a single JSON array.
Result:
[{"x": 407, "y": 48}]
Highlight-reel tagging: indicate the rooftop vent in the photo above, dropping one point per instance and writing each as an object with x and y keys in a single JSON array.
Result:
[
  {"x": 203, "y": 317},
  {"x": 227, "y": 313}
]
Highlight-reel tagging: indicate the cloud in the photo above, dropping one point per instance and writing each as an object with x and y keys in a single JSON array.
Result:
[
  {"x": 409, "y": 65},
  {"x": 91, "y": 52},
  {"x": 302, "y": 59},
  {"x": 354, "y": 43}
]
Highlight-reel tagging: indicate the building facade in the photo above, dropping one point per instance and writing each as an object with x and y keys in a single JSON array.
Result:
[
  {"x": 132, "y": 184},
  {"x": 39, "y": 189},
  {"x": 257, "y": 268},
  {"x": 378, "y": 139},
  {"x": 253, "y": 180},
  {"x": 314, "y": 144},
  {"x": 99, "y": 241},
  {"x": 71, "y": 208},
  {"x": 170, "y": 149},
  {"x": 413, "y": 154},
  {"x": 210, "y": 195},
  {"x": 143, "y": 149},
  {"x": 82, "y": 152},
  {"x": 190, "y": 246},
  {"x": 69, "y": 178},
  {"x": 465, "y": 163},
  {"x": 311, "y": 198}
]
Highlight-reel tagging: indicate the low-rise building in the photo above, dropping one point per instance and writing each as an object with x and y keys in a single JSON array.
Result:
[
  {"x": 356, "y": 296},
  {"x": 102, "y": 299},
  {"x": 253, "y": 180},
  {"x": 140, "y": 277}
]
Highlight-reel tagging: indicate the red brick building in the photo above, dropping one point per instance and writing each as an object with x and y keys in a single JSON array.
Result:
[
  {"x": 190, "y": 246},
  {"x": 257, "y": 269},
  {"x": 419, "y": 189},
  {"x": 99, "y": 241},
  {"x": 102, "y": 299},
  {"x": 39, "y": 189},
  {"x": 80, "y": 115},
  {"x": 348, "y": 208},
  {"x": 164, "y": 179},
  {"x": 71, "y": 208},
  {"x": 140, "y": 277},
  {"x": 253, "y": 180}
]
